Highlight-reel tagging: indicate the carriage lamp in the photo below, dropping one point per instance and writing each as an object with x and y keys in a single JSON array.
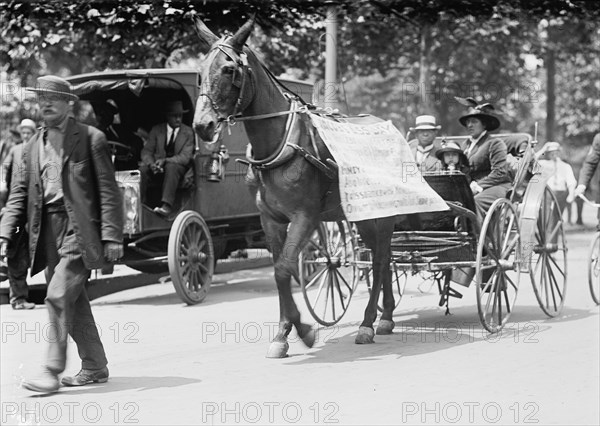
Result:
[
  {"x": 129, "y": 182},
  {"x": 216, "y": 162}
]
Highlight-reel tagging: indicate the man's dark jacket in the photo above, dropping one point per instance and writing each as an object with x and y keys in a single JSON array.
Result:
[{"x": 92, "y": 198}]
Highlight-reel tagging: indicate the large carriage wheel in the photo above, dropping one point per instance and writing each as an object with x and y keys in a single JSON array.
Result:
[
  {"x": 594, "y": 269},
  {"x": 498, "y": 253},
  {"x": 327, "y": 271},
  {"x": 548, "y": 269},
  {"x": 191, "y": 257}
]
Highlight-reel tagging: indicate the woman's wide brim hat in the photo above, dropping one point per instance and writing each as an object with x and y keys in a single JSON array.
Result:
[
  {"x": 451, "y": 147},
  {"x": 175, "y": 107},
  {"x": 481, "y": 112},
  {"x": 52, "y": 85},
  {"x": 425, "y": 122}
]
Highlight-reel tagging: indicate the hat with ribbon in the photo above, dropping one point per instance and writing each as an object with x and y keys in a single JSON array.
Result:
[
  {"x": 27, "y": 123},
  {"x": 425, "y": 122},
  {"x": 175, "y": 107},
  {"x": 481, "y": 112},
  {"x": 451, "y": 147},
  {"x": 52, "y": 85}
]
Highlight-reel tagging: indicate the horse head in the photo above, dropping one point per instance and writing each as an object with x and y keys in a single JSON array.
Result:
[{"x": 226, "y": 87}]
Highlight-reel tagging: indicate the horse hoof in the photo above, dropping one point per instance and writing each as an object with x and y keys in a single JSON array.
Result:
[
  {"x": 307, "y": 334},
  {"x": 385, "y": 327},
  {"x": 365, "y": 335},
  {"x": 278, "y": 350}
]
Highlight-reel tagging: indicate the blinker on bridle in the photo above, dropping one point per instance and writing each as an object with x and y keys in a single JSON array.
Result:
[{"x": 238, "y": 80}]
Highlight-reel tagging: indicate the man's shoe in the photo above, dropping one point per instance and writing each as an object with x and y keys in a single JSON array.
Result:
[
  {"x": 164, "y": 210},
  {"x": 85, "y": 377},
  {"x": 22, "y": 304},
  {"x": 45, "y": 382}
]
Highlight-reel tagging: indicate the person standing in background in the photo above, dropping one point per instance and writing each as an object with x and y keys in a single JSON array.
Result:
[{"x": 562, "y": 179}]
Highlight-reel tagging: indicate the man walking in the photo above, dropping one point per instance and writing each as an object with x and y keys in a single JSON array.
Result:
[
  {"x": 67, "y": 194},
  {"x": 17, "y": 261}
]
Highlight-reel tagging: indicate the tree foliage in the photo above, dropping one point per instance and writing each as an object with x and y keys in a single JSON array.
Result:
[{"x": 480, "y": 48}]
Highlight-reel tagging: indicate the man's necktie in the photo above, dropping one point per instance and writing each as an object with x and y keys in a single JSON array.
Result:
[{"x": 171, "y": 139}]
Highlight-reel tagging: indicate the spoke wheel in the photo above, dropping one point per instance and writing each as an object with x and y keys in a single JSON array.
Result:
[
  {"x": 191, "y": 257},
  {"x": 548, "y": 269},
  {"x": 498, "y": 265},
  {"x": 594, "y": 269},
  {"x": 327, "y": 271}
]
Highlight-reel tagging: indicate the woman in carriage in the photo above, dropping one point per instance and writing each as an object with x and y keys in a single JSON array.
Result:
[{"x": 486, "y": 155}]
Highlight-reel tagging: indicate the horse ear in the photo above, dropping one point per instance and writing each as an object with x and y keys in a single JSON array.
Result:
[
  {"x": 240, "y": 37},
  {"x": 206, "y": 36}
]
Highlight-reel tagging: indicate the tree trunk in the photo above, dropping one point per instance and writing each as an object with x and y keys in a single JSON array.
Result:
[
  {"x": 550, "y": 86},
  {"x": 425, "y": 89}
]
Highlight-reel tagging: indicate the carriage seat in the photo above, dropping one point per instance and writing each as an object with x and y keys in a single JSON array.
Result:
[{"x": 451, "y": 186}]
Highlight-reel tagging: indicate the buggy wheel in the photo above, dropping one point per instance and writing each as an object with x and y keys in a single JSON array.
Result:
[
  {"x": 548, "y": 268},
  {"x": 327, "y": 271},
  {"x": 594, "y": 268},
  {"x": 498, "y": 253},
  {"x": 399, "y": 279},
  {"x": 191, "y": 257}
]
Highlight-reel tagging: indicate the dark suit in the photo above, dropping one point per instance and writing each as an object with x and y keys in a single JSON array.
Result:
[
  {"x": 590, "y": 163},
  {"x": 431, "y": 163},
  {"x": 125, "y": 159},
  {"x": 175, "y": 166},
  {"x": 487, "y": 163},
  {"x": 67, "y": 239},
  {"x": 17, "y": 258}
]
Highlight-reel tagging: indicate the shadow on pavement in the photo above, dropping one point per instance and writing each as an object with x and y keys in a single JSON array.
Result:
[
  {"x": 423, "y": 331},
  {"x": 119, "y": 383}
]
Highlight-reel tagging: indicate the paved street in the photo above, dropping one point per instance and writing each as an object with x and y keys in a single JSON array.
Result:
[{"x": 174, "y": 364}]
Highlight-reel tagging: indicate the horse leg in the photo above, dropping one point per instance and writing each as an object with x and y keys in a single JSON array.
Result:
[
  {"x": 384, "y": 240},
  {"x": 377, "y": 234},
  {"x": 285, "y": 257}
]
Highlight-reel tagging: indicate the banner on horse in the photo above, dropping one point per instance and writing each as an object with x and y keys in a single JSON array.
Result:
[{"x": 378, "y": 175}]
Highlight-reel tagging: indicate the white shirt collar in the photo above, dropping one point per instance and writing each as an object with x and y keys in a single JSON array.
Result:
[{"x": 475, "y": 141}]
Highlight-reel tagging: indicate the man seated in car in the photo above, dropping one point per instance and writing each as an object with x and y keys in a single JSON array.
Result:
[
  {"x": 167, "y": 155},
  {"x": 127, "y": 154}
]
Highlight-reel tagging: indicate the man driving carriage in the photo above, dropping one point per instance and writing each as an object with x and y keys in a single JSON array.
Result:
[{"x": 128, "y": 153}]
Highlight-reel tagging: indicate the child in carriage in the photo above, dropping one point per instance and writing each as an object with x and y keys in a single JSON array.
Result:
[{"x": 453, "y": 159}]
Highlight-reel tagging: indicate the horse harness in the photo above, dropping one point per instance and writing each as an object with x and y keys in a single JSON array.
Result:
[{"x": 286, "y": 149}]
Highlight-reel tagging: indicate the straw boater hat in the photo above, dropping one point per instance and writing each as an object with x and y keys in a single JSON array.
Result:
[
  {"x": 52, "y": 85},
  {"x": 451, "y": 147},
  {"x": 27, "y": 123},
  {"x": 175, "y": 107},
  {"x": 425, "y": 122},
  {"x": 552, "y": 146},
  {"x": 482, "y": 112}
]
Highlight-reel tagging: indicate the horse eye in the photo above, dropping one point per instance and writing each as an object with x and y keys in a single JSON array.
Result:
[{"x": 228, "y": 70}]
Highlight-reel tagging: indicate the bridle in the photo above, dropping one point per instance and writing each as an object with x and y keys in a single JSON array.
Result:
[
  {"x": 287, "y": 146},
  {"x": 240, "y": 79}
]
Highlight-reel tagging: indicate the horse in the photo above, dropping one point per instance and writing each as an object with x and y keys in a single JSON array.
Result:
[{"x": 292, "y": 195}]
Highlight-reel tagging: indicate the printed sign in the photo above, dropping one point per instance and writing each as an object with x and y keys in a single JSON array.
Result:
[{"x": 378, "y": 174}]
